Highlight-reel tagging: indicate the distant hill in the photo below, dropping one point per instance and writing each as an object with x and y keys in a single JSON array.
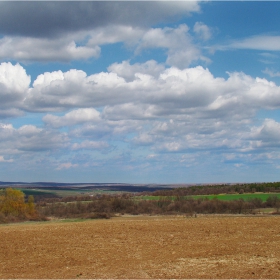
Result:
[{"x": 92, "y": 186}]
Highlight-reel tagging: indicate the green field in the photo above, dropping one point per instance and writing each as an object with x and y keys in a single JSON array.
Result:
[
  {"x": 35, "y": 191},
  {"x": 54, "y": 192},
  {"x": 247, "y": 196}
]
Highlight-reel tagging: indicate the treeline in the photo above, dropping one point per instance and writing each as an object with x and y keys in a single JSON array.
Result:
[
  {"x": 219, "y": 189},
  {"x": 107, "y": 206},
  {"x": 14, "y": 207}
]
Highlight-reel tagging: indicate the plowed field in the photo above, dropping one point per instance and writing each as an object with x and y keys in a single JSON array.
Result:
[{"x": 143, "y": 247}]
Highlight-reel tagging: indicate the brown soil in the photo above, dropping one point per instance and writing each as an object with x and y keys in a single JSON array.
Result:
[{"x": 143, "y": 247}]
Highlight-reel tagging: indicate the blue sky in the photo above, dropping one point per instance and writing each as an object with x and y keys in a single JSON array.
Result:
[{"x": 140, "y": 92}]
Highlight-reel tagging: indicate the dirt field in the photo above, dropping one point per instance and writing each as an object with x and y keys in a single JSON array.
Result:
[{"x": 143, "y": 247}]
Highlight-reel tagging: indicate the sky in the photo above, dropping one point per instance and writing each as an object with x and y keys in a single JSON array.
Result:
[{"x": 140, "y": 92}]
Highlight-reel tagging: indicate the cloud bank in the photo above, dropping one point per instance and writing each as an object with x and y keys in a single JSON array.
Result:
[{"x": 169, "y": 110}]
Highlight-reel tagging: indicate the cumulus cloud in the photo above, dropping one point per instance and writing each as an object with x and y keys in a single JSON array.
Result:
[
  {"x": 58, "y": 91},
  {"x": 72, "y": 118},
  {"x": 40, "y": 49},
  {"x": 135, "y": 91},
  {"x": 130, "y": 35},
  {"x": 131, "y": 110},
  {"x": 181, "y": 51},
  {"x": 10, "y": 113},
  {"x": 29, "y": 138},
  {"x": 162, "y": 92},
  {"x": 129, "y": 72},
  {"x": 13, "y": 78},
  {"x": 80, "y": 45},
  {"x": 266, "y": 135},
  {"x": 14, "y": 83}
]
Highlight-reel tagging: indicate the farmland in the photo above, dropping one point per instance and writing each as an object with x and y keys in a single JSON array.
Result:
[{"x": 144, "y": 247}]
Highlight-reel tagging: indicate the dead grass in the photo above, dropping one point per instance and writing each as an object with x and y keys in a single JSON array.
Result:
[{"x": 143, "y": 247}]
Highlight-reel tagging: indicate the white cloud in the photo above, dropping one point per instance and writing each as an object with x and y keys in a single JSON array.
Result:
[
  {"x": 47, "y": 78},
  {"x": 90, "y": 145},
  {"x": 202, "y": 31},
  {"x": 259, "y": 42},
  {"x": 269, "y": 55},
  {"x": 2, "y": 159},
  {"x": 267, "y": 135},
  {"x": 66, "y": 165},
  {"x": 13, "y": 78},
  {"x": 10, "y": 112},
  {"x": 114, "y": 34},
  {"x": 82, "y": 45},
  {"x": 79, "y": 45},
  {"x": 151, "y": 156},
  {"x": 271, "y": 73},
  {"x": 131, "y": 110},
  {"x": 144, "y": 138},
  {"x": 181, "y": 51},
  {"x": 140, "y": 91},
  {"x": 40, "y": 49},
  {"x": 75, "y": 89},
  {"x": 14, "y": 82},
  {"x": 29, "y": 138},
  {"x": 129, "y": 72},
  {"x": 72, "y": 118}
]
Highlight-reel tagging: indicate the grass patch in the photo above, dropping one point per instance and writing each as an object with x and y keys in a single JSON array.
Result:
[
  {"x": 227, "y": 197},
  {"x": 246, "y": 196}
]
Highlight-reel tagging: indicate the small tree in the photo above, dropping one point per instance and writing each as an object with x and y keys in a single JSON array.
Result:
[{"x": 274, "y": 201}]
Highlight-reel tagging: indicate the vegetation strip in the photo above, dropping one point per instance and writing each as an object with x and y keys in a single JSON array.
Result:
[{"x": 219, "y": 199}]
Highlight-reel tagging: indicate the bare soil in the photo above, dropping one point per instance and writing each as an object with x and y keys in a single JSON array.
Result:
[{"x": 143, "y": 247}]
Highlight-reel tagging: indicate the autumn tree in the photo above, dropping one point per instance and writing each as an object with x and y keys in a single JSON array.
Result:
[{"x": 12, "y": 204}]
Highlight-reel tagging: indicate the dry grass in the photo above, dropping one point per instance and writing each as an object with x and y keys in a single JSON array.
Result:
[{"x": 143, "y": 247}]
